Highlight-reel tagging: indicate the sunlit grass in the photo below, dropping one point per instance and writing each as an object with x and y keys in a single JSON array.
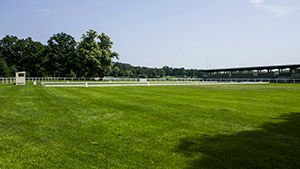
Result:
[{"x": 148, "y": 127}]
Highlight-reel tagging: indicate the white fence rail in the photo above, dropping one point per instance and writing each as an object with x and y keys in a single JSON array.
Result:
[
  {"x": 11, "y": 80},
  {"x": 7, "y": 80},
  {"x": 117, "y": 84}
]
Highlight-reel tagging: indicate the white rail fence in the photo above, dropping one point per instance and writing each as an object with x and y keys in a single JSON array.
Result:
[
  {"x": 11, "y": 80},
  {"x": 118, "y": 84}
]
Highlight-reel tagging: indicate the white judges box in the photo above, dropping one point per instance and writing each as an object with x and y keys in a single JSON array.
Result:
[{"x": 20, "y": 78}]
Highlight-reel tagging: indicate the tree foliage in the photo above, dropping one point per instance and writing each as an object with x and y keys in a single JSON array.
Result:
[
  {"x": 95, "y": 53},
  {"x": 127, "y": 70},
  {"x": 63, "y": 56},
  {"x": 21, "y": 54}
]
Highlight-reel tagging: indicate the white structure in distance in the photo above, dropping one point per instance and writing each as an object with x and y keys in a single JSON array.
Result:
[
  {"x": 142, "y": 80},
  {"x": 20, "y": 78}
]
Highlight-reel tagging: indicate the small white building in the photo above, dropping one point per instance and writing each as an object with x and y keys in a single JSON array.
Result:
[
  {"x": 142, "y": 79},
  {"x": 20, "y": 78}
]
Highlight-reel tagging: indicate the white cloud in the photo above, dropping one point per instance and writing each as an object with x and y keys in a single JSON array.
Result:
[
  {"x": 279, "y": 11},
  {"x": 256, "y": 1}
]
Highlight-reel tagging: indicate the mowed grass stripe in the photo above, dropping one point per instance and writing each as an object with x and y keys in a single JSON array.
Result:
[{"x": 132, "y": 127}]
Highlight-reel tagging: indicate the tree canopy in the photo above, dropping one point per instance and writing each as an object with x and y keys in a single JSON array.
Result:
[
  {"x": 62, "y": 56},
  {"x": 127, "y": 70}
]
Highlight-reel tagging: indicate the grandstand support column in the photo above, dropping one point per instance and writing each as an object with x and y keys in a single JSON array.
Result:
[{"x": 292, "y": 70}]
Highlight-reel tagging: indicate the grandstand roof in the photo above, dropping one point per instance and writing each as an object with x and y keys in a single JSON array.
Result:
[{"x": 293, "y": 66}]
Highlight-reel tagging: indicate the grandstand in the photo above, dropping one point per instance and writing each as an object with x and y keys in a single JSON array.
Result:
[{"x": 278, "y": 72}]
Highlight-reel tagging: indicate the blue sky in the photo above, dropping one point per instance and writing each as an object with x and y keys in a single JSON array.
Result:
[{"x": 178, "y": 33}]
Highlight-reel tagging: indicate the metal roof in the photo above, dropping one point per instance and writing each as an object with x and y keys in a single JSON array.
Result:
[{"x": 293, "y": 66}]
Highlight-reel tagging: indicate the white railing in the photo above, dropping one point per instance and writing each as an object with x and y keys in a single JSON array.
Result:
[
  {"x": 11, "y": 80},
  {"x": 7, "y": 80},
  {"x": 118, "y": 84}
]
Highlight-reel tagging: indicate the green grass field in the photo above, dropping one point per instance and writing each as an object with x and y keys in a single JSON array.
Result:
[{"x": 222, "y": 126}]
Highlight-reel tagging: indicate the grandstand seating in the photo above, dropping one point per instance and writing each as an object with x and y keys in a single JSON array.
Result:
[{"x": 265, "y": 72}]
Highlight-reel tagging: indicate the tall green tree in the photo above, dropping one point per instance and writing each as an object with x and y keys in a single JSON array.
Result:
[
  {"x": 105, "y": 45},
  {"x": 61, "y": 55},
  {"x": 95, "y": 52},
  {"x": 9, "y": 54},
  {"x": 90, "y": 54},
  {"x": 31, "y": 58},
  {"x": 21, "y": 54}
]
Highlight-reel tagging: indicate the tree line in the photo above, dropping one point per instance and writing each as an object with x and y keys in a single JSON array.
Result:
[
  {"x": 62, "y": 56},
  {"x": 127, "y": 70}
]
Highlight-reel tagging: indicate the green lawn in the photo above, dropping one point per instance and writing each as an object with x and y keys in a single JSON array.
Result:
[{"x": 222, "y": 126}]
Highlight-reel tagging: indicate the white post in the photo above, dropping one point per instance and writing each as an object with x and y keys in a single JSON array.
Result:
[{"x": 86, "y": 84}]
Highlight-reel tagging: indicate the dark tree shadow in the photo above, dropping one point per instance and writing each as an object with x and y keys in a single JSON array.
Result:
[{"x": 275, "y": 145}]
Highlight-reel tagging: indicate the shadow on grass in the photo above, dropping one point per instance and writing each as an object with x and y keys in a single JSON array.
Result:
[{"x": 275, "y": 145}]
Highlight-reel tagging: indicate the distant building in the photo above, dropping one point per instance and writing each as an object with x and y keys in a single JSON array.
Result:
[
  {"x": 20, "y": 78},
  {"x": 142, "y": 78},
  {"x": 257, "y": 72}
]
